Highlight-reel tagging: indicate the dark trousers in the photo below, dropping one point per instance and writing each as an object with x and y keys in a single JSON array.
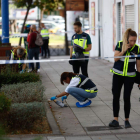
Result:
[
  {"x": 82, "y": 65},
  {"x": 45, "y": 48},
  {"x": 34, "y": 52},
  {"x": 118, "y": 82}
]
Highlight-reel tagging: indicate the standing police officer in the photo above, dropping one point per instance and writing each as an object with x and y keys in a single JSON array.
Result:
[
  {"x": 45, "y": 46},
  {"x": 124, "y": 74},
  {"x": 81, "y": 45}
]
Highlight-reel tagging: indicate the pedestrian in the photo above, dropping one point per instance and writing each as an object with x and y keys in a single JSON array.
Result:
[
  {"x": 124, "y": 74},
  {"x": 28, "y": 39},
  {"x": 45, "y": 46},
  {"x": 80, "y": 87},
  {"x": 81, "y": 45},
  {"x": 34, "y": 49},
  {"x": 19, "y": 53}
]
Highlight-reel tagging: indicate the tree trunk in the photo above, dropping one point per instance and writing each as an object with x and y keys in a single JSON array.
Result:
[
  {"x": 41, "y": 16},
  {"x": 28, "y": 8}
]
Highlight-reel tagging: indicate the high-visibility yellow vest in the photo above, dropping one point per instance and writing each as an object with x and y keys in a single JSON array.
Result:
[
  {"x": 126, "y": 66},
  {"x": 82, "y": 42},
  {"x": 16, "y": 58},
  {"x": 45, "y": 31}
]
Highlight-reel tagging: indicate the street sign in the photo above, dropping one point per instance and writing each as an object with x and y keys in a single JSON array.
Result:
[{"x": 75, "y": 5}]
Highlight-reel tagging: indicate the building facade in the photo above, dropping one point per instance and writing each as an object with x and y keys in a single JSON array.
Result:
[{"x": 108, "y": 21}]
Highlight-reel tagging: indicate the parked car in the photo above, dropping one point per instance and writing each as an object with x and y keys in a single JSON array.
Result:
[
  {"x": 52, "y": 26},
  {"x": 55, "y": 18}
]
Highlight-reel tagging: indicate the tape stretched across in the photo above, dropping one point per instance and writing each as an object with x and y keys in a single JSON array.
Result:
[{"x": 59, "y": 60}]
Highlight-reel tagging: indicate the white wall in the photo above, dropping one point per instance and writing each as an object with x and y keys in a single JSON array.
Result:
[
  {"x": 107, "y": 26},
  {"x": 136, "y": 17},
  {"x": 94, "y": 39}
]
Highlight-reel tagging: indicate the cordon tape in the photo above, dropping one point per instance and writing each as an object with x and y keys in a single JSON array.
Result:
[{"x": 60, "y": 60}]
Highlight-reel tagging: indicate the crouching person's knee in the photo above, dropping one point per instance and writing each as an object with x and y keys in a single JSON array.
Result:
[{"x": 71, "y": 90}]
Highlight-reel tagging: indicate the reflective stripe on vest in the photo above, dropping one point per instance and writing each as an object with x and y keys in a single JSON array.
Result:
[
  {"x": 130, "y": 60},
  {"x": 84, "y": 82},
  {"x": 120, "y": 72},
  {"x": 92, "y": 90}
]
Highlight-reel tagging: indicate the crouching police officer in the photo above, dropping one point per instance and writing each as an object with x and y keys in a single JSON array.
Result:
[
  {"x": 19, "y": 53},
  {"x": 81, "y": 46}
]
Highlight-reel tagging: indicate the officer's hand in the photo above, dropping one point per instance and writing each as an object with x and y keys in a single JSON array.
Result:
[
  {"x": 63, "y": 98},
  {"x": 53, "y": 98},
  {"x": 79, "y": 50}
]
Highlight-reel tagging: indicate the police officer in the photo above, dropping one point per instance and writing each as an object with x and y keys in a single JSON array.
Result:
[
  {"x": 45, "y": 47},
  {"x": 124, "y": 74},
  {"x": 81, "y": 45},
  {"x": 19, "y": 53},
  {"x": 80, "y": 87}
]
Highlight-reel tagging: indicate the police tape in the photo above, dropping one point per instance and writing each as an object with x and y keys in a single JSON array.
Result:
[
  {"x": 59, "y": 32},
  {"x": 60, "y": 60}
]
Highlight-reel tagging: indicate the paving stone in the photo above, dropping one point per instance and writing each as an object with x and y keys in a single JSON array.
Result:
[
  {"x": 104, "y": 137},
  {"x": 128, "y": 137},
  {"x": 78, "y": 138},
  {"x": 56, "y": 138}
]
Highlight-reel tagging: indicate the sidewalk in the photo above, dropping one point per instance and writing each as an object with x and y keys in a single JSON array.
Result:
[{"x": 88, "y": 123}]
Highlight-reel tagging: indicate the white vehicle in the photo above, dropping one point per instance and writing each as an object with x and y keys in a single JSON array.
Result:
[
  {"x": 49, "y": 24},
  {"x": 55, "y": 18},
  {"x": 20, "y": 24}
]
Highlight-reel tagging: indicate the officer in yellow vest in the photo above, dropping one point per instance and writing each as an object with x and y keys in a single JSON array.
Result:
[
  {"x": 19, "y": 53},
  {"x": 81, "y": 45},
  {"x": 45, "y": 46},
  {"x": 124, "y": 71}
]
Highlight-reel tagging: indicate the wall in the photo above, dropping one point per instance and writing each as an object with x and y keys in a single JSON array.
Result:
[
  {"x": 107, "y": 26},
  {"x": 106, "y": 37},
  {"x": 94, "y": 38}
]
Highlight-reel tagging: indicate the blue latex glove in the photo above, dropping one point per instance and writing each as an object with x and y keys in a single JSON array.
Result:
[
  {"x": 53, "y": 98},
  {"x": 63, "y": 98},
  {"x": 22, "y": 71}
]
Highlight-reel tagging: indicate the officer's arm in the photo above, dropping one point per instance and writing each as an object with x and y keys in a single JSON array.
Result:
[
  {"x": 62, "y": 94},
  {"x": 118, "y": 53},
  {"x": 138, "y": 65},
  {"x": 24, "y": 66},
  {"x": 71, "y": 50},
  {"x": 88, "y": 48}
]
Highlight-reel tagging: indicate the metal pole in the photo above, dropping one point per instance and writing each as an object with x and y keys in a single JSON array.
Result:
[{"x": 5, "y": 21}]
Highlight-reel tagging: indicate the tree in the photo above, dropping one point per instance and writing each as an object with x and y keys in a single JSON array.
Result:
[
  {"x": 49, "y": 5},
  {"x": 24, "y": 3}
]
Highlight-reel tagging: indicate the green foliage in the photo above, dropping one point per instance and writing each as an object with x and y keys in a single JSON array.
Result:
[
  {"x": 23, "y": 3},
  {"x": 5, "y": 103},
  {"x": 22, "y": 115},
  {"x": 24, "y": 92},
  {"x": 2, "y": 133},
  {"x": 9, "y": 77},
  {"x": 49, "y": 5}
]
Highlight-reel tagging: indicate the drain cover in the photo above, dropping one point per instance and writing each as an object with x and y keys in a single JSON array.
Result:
[{"x": 102, "y": 128}]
